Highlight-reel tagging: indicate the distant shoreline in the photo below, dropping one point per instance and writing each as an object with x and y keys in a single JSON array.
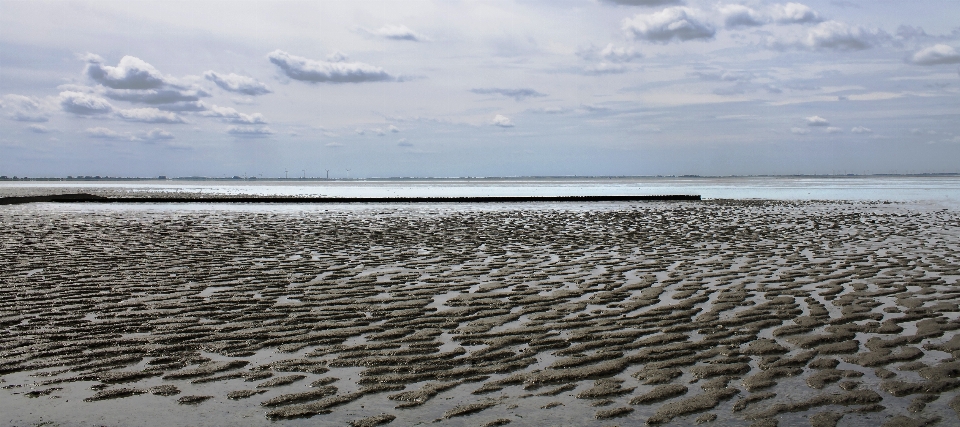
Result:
[{"x": 466, "y": 178}]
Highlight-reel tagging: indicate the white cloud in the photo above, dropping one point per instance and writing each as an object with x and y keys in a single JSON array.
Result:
[
  {"x": 618, "y": 54},
  {"x": 644, "y": 2},
  {"x": 83, "y": 104},
  {"x": 833, "y": 129},
  {"x": 25, "y": 108},
  {"x": 378, "y": 131},
  {"x": 309, "y": 70},
  {"x": 393, "y": 129},
  {"x": 149, "y": 115},
  {"x": 861, "y": 129},
  {"x": 725, "y": 75},
  {"x": 605, "y": 68},
  {"x": 158, "y": 135},
  {"x": 104, "y": 133},
  {"x": 399, "y": 32},
  {"x": 833, "y": 35},
  {"x": 502, "y": 121},
  {"x": 184, "y": 106},
  {"x": 516, "y": 94},
  {"x": 817, "y": 121},
  {"x": 156, "y": 96},
  {"x": 237, "y": 83},
  {"x": 795, "y": 13},
  {"x": 404, "y": 143},
  {"x": 333, "y": 144},
  {"x": 130, "y": 73},
  {"x": 250, "y": 131},
  {"x": 38, "y": 129},
  {"x": 936, "y": 55},
  {"x": 233, "y": 116},
  {"x": 737, "y": 15},
  {"x": 612, "y": 57},
  {"x": 673, "y": 23},
  {"x": 337, "y": 57},
  {"x": 799, "y": 131},
  {"x": 359, "y": 131}
]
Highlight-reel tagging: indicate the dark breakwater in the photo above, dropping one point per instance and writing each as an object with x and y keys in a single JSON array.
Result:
[{"x": 90, "y": 198}]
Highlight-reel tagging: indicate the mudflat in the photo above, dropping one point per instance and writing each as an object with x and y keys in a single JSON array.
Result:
[{"x": 662, "y": 313}]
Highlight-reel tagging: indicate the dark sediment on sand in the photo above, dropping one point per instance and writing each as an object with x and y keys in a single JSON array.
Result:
[{"x": 737, "y": 313}]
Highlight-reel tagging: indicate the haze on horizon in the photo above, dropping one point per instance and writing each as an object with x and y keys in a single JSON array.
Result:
[{"x": 479, "y": 88}]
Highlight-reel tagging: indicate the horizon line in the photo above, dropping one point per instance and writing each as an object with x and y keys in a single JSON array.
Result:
[{"x": 297, "y": 179}]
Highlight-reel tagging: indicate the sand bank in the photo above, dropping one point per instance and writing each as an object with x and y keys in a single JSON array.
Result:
[{"x": 672, "y": 313}]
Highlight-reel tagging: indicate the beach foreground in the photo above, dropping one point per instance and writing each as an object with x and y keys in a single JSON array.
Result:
[{"x": 661, "y": 313}]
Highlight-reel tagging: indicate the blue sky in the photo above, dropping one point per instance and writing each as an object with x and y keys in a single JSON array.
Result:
[{"x": 479, "y": 88}]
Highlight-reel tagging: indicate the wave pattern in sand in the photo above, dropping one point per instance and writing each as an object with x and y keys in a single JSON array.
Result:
[{"x": 722, "y": 312}]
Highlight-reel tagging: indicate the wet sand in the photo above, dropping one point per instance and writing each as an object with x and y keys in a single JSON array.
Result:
[{"x": 662, "y": 313}]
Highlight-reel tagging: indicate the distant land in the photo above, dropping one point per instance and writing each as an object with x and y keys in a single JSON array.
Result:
[{"x": 491, "y": 178}]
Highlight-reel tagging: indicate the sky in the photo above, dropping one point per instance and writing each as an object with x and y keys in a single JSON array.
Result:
[{"x": 452, "y": 88}]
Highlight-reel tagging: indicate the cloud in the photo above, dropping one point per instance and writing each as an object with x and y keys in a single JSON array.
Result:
[
  {"x": 25, "y": 109},
  {"x": 502, "y": 121},
  {"x": 84, "y": 104},
  {"x": 399, "y": 32},
  {"x": 817, "y": 121},
  {"x": 404, "y": 143},
  {"x": 610, "y": 53},
  {"x": 736, "y": 15},
  {"x": 393, "y": 129},
  {"x": 861, "y": 129},
  {"x": 378, "y": 131},
  {"x": 359, "y": 131},
  {"x": 725, "y": 76},
  {"x": 799, "y": 131},
  {"x": 673, "y": 23},
  {"x": 911, "y": 32},
  {"x": 39, "y": 129},
  {"x": 833, "y": 35},
  {"x": 237, "y": 83},
  {"x": 549, "y": 110},
  {"x": 250, "y": 131},
  {"x": 605, "y": 68},
  {"x": 158, "y": 134},
  {"x": 149, "y": 115},
  {"x": 130, "y": 73},
  {"x": 516, "y": 94},
  {"x": 156, "y": 96},
  {"x": 795, "y": 13},
  {"x": 833, "y": 129},
  {"x": 184, "y": 106},
  {"x": 644, "y": 2},
  {"x": 308, "y": 70},
  {"x": 939, "y": 54},
  {"x": 233, "y": 116},
  {"x": 337, "y": 56},
  {"x": 104, "y": 133}
]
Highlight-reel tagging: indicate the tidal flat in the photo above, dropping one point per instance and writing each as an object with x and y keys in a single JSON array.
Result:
[{"x": 719, "y": 312}]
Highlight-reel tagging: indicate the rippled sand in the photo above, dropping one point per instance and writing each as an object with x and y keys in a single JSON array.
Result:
[{"x": 715, "y": 312}]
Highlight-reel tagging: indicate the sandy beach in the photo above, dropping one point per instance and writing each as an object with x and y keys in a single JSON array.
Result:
[{"x": 726, "y": 313}]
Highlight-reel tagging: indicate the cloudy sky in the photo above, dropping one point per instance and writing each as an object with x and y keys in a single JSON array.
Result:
[{"x": 479, "y": 88}]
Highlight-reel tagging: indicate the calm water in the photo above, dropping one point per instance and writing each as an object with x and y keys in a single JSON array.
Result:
[{"x": 937, "y": 191}]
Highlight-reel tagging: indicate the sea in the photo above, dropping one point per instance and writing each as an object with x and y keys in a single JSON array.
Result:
[{"x": 932, "y": 190}]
